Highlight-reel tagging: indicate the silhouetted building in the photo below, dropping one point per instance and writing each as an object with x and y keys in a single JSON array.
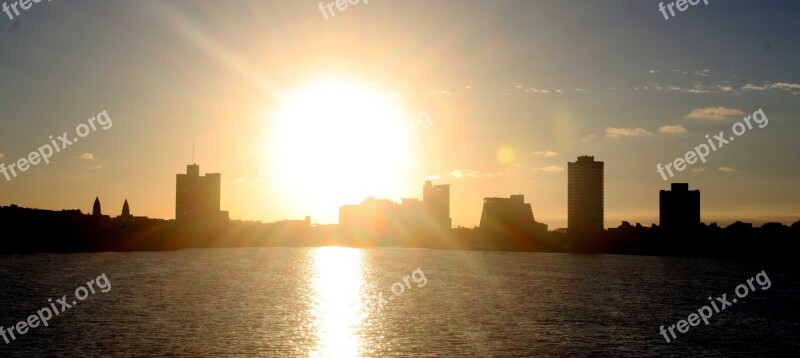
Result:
[
  {"x": 585, "y": 196},
  {"x": 371, "y": 211},
  {"x": 412, "y": 213},
  {"x": 436, "y": 199},
  {"x": 373, "y": 218},
  {"x": 510, "y": 216},
  {"x": 197, "y": 198},
  {"x": 126, "y": 210},
  {"x": 96, "y": 211},
  {"x": 679, "y": 208},
  {"x": 411, "y": 221}
]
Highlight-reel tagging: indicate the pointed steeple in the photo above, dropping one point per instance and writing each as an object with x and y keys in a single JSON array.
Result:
[
  {"x": 96, "y": 208},
  {"x": 126, "y": 211}
]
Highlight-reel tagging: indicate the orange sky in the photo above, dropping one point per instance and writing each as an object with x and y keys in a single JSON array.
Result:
[{"x": 301, "y": 114}]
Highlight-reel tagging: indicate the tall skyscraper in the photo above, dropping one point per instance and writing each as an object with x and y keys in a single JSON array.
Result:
[
  {"x": 585, "y": 196},
  {"x": 679, "y": 208},
  {"x": 197, "y": 198},
  {"x": 436, "y": 199}
]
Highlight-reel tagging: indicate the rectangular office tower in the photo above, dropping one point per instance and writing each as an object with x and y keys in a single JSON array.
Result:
[
  {"x": 679, "y": 208},
  {"x": 197, "y": 198},
  {"x": 585, "y": 196},
  {"x": 436, "y": 199}
]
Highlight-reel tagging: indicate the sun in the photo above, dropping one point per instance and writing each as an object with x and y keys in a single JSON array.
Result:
[{"x": 334, "y": 142}]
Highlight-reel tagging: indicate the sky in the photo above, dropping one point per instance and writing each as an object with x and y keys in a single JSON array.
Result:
[{"x": 300, "y": 113}]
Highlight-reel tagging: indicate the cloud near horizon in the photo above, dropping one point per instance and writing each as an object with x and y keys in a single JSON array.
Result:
[
  {"x": 546, "y": 153},
  {"x": 612, "y": 132},
  {"x": 778, "y": 85},
  {"x": 672, "y": 129},
  {"x": 716, "y": 113},
  {"x": 464, "y": 173}
]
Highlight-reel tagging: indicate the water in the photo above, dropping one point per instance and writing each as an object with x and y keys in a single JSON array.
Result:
[{"x": 316, "y": 302}]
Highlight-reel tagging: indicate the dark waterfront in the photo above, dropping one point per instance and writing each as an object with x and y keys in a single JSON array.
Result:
[{"x": 321, "y": 302}]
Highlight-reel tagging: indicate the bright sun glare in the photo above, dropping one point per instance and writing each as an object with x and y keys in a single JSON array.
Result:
[
  {"x": 334, "y": 143},
  {"x": 338, "y": 309}
]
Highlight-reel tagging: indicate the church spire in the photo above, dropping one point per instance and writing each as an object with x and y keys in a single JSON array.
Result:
[
  {"x": 126, "y": 211},
  {"x": 96, "y": 207}
]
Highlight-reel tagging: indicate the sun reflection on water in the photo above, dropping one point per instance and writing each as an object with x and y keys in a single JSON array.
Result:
[{"x": 337, "y": 308}]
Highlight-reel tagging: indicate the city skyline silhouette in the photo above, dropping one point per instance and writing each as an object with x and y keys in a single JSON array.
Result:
[
  {"x": 287, "y": 117},
  {"x": 506, "y": 224}
]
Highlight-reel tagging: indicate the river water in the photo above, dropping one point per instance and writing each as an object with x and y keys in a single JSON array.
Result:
[{"x": 339, "y": 302}]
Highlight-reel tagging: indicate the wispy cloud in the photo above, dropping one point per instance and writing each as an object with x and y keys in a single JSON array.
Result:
[
  {"x": 2, "y": 155},
  {"x": 464, "y": 173},
  {"x": 546, "y": 153},
  {"x": 551, "y": 169},
  {"x": 698, "y": 169},
  {"x": 716, "y": 113},
  {"x": 87, "y": 156},
  {"x": 769, "y": 86},
  {"x": 468, "y": 173},
  {"x": 703, "y": 73},
  {"x": 786, "y": 86},
  {"x": 528, "y": 89},
  {"x": 698, "y": 88},
  {"x": 727, "y": 170},
  {"x": 725, "y": 88},
  {"x": 536, "y": 90},
  {"x": 612, "y": 132},
  {"x": 673, "y": 129},
  {"x": 752, "y": 87},
  {"x": 444, "y": 93}
]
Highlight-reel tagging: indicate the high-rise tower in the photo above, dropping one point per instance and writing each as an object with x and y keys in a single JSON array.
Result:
[
  {"x": 436, "y": 199},
  {"x": 198, "y": 197},
  {"x": 585, "y": 196}
]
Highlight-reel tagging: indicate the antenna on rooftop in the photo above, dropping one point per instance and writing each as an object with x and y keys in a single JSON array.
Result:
[{"x": 193, "y": 162}]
